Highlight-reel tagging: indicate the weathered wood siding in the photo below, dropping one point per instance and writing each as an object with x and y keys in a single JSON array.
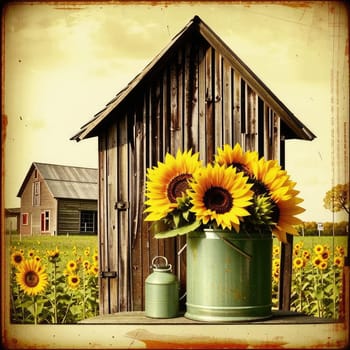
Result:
[
  {"x": 47, "y": 202},
  {"x": 68, "y": 218},
  {"x": 196, "y": 100}
]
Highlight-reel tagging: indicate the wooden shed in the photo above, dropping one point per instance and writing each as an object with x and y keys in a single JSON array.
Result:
[{"x": 197, "y": 93}]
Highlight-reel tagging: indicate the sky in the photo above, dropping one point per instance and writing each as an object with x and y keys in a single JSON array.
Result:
[{"x": 64, "y": 62}]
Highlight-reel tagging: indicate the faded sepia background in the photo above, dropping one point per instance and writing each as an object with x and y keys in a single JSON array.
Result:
[{"x": 64, "y": 62}]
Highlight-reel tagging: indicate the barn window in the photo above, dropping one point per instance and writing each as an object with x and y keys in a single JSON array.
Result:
[
  {"x": 36, "y": 193},
  {"x": 45, "y": 220},
  {"x": 24, "y": 218},
  {"x": 88, "y": 221}
]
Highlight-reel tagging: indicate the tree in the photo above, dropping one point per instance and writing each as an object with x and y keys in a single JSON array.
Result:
[{"x": 337, "y": 198}]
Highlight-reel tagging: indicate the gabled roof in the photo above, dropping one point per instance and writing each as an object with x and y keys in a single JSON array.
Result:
[
  {"x": 66, "y": 181},
  {"x": 299, "y": 130}
]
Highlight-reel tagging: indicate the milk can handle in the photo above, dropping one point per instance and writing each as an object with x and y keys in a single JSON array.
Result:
[{"x": 162, "y": 257}]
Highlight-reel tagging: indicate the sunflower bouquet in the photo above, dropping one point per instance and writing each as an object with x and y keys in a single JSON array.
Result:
[{"x": 238, "y": 191}]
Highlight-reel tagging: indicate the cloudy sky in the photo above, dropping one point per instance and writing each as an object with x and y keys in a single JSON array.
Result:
[{"x": 63, "y": 63}]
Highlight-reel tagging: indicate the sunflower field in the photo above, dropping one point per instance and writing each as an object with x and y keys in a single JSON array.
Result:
[
  {"x": 53, "y": 279},
  {"x": 317, "y": 275}
]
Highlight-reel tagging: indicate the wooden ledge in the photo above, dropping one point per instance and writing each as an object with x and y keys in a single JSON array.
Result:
[{"x": 139, "y": 317}]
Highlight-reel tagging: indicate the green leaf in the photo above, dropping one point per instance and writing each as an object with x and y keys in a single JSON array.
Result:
[{"x": 178, "y": 231}]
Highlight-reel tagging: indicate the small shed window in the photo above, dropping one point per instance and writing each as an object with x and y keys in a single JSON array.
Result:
[
  {"x": 24, "y": 218},
  {"x": 88, "y": 221}
]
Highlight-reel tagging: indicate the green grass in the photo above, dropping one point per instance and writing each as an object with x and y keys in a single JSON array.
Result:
[
  {"x": 64, "y": 243},
  {"x": 330, "y": 241}
]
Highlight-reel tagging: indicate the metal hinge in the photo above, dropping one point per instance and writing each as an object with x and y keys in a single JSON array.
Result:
[
  {"x": 108, "y": 274},
  {"x": 121, "y": 205}
]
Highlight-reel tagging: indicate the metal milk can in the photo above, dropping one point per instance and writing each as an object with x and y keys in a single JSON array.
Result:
[{"x": 161, "y": 291}]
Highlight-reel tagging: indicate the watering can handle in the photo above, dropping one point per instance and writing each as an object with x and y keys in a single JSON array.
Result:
[{"x": 162, "y": 257}]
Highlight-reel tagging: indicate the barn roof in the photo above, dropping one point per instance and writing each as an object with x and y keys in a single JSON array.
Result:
[
  {"x": 296, "y": 127},
  {"x": 66, "y": 181}
]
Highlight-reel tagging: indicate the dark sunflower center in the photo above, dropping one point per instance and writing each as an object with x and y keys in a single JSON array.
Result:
[
  {"x": 31, "y": 279},
  {"x": 241, "y": 168},
  {"x": 218, "y": 199},
  {"x": 74, "y": 280},
  {"x": 259, "y": 188},
  {"x": 177, "y": 186},
  {"x": 18, "y": 258}
]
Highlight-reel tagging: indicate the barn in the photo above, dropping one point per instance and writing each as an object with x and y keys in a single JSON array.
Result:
[
  {"x": 196, "y": 93},
  {"x": 58, "y": 199}
]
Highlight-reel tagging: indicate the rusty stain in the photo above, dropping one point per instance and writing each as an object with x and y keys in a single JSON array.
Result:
[{"x": 164, "y": 341}]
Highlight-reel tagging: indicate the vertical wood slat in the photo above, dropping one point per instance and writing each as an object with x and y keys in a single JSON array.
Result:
[
  {"x": 103, "y": 225},
  {"x": 227, "y": 104},
  {"x": 113, "y": 239},
  {"x": 218, "y": 122},
  {"x": 251, "y": 127},
  {"x": 175, "y": 119},
  {"x": 208, "y": 134},
  {"x": 237, "y": 107},
  {"x": 201, "y": 104},
  {"x": 123, "y": 216}
]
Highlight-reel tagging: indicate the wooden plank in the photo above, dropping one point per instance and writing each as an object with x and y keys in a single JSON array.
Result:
[
  {"x": 285, "y": 282},
  {"x": 237, "y": 107},
  {"x": 218, "y": 93},
  {"x": 209, "y": 133},
  {"x": 261, "y": 131},
  {"x": 251, "y": 136},
  {"x": 123, "y": 215},
  {"x": 176, "y": 120},
  {"x": 202, "y": 128},
  {"x": 193, "y": 100},
  {"x": 103, "y": 251},
  {"x": 227, "y": 104},
  {"x": 113, "y": 237}
]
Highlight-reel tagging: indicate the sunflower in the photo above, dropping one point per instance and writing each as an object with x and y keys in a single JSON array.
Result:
[
  {"x": 276, "y": 262},
  {"x": 340, "y": 250},
  {"x": 236, "y": 157},
  {"x": 276, "y": 250},
  {"x": 220, "y": 194},
  {"x": 31, "y": 253},
  {"x": 94, "y": 270},
  {"x": 284, "y": 216},
  {"x": 318, "y": 249},
  {"x": 53, "y": 255},
  {"x": 325, "y": 254},
  {"x": 71, "y": 265},
  {"x": 323, "y": 265},
  {"x": 95, "y": 257},
  {"x": 169, "y": 181},
  {"x": 268, "y": 178},
  {"x": 276, "y": 273},
  {"x": 17, "y": 258},
  {"x": 306, "y": 255},
  {"x": 317, "y": 261},
  {"x": 31, "y": 277},
  {"x": 339, "y": 261},
  {"x": 73, "y": 281},
  {"x": 298, "y": 263},
  {"x": 86, "y": 264}
]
